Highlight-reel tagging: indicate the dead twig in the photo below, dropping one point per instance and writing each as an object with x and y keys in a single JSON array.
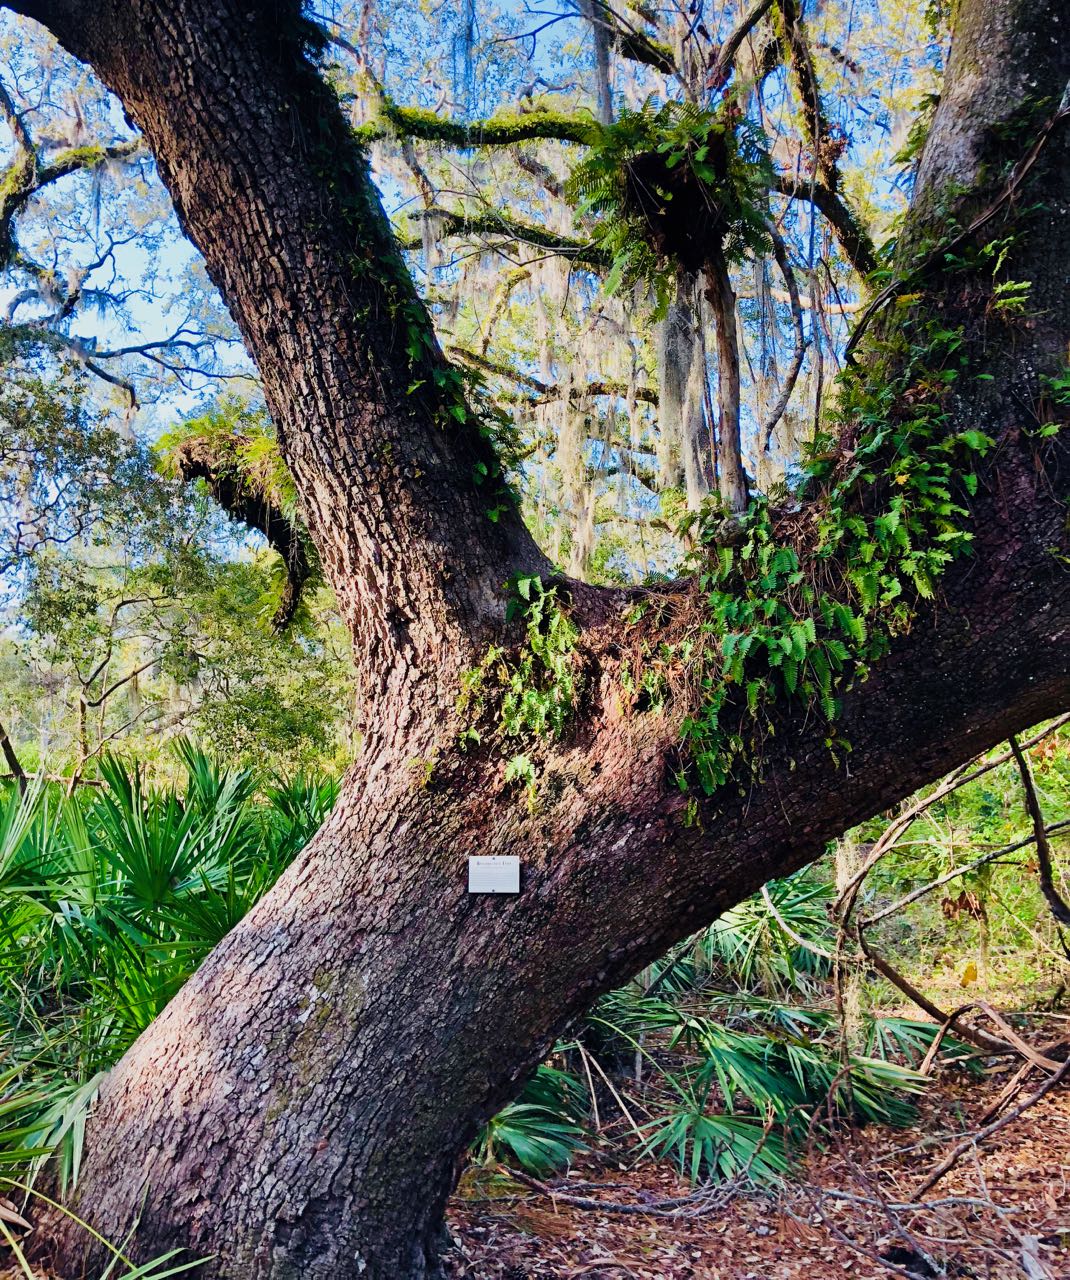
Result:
[
  {"x": 960, "y": 1148},
  {"x": 708, "y": 1197}
]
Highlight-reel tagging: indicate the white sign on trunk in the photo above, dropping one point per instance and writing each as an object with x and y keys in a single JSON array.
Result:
[{"x": 494, "y": 875}]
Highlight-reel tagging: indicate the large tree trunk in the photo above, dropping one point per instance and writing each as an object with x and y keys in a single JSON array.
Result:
[{"x": 299, "y": 1108}]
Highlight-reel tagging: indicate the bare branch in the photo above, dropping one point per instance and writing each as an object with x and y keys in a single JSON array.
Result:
[
  {"x": 11, "y": 756},
  {"x": 1059, "y": 909},
  {"x": 960, "y": 1148}
]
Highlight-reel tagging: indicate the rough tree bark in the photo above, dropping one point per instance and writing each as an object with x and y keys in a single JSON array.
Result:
[
  {"x": 298, "y": 1109},
  {"x": 731, "y": 478}
]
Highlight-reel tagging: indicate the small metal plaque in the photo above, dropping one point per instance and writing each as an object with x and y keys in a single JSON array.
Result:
[{"x": 494, "y": 875}]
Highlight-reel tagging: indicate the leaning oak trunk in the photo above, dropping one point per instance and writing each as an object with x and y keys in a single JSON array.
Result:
[{"x": 299, "y": 1109}]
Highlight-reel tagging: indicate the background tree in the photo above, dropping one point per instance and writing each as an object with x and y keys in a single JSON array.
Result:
[{"x": 235, "y": 1114}]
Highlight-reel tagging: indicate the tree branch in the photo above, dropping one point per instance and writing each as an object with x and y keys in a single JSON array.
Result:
[
  {"x": 217, "y": 463},
  {"x": 26, "y": 176},
  {"x": 1059, "y": 908},
  {"x": 729, "y": 51},
  {"x": 11, "y": 756},
  {"x": 780, "y": 253},
  {"x": 492, "y": 222},
  {"x": 546, "y": 392},
  {"x": 960, "y": 1148},
  {"x": 503, "y": 130},
  {"x": 851, "y": 236}
]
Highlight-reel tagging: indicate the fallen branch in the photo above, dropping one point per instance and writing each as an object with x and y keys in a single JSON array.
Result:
[
  {"x": 708, "y": 1197},
  {"x": 960, "y": 1148}
]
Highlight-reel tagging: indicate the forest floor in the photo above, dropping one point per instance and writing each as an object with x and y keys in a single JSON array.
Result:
[{"x": 1002, "y": 1212}]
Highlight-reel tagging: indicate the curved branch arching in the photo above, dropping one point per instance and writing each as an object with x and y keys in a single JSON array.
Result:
[{"x": 219, "y": 466}]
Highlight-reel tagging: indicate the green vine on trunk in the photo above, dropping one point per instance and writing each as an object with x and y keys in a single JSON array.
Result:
[
  {"x": 534, "y": 690},
  {"x": 801, "y": 600}
]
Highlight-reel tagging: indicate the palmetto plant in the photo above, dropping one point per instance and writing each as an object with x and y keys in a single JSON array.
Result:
[
  {"x": 541, "y": 1130},
  {"x": 774, "y": 940},
  {"x": 108, "y": 901},
  {"x": 786, "y": 1068},
  {"x": 120, "y": 1267}
]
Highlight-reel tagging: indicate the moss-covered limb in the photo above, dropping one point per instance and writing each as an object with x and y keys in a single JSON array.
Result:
[
  {"x": 485, "y": 365},
  {"x": 72, "y": 159},
  {"x": 825, "y": 144},
  {"x": 544, "y": 392},
  {"x": 796, "y": 49},
  {"x": 638, "y": 47},
  {"x": 26, "y": 176},
  {"x": 627, "y": 39},
  {"x": 504, "y": 129},
  {"x": 220, "y": 461},
  {"x": 492, "y": 223},
  {"x": 852, "y": 237},
  {"x": 20, "y": 176},
  {"x": 730, "y": 49},
  {"x": 508, "y": 283}
]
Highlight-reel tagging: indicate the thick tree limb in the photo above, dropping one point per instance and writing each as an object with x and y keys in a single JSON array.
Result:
[
  {"x": 504, "y": 130},
  {"x": 218, "y": 466},
  {"x": 729, "y": 51},
  {"x": 492, "y": 223},
  {"x": 851, "y": 236}
]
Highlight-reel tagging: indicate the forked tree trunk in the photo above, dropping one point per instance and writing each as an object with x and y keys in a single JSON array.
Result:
[{"x": 298, "y": 1110}]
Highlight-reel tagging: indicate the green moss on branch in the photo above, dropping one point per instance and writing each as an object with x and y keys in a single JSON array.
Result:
[
  {"x": 499, "y": 224},
  {"x": 504, "y": 129}
]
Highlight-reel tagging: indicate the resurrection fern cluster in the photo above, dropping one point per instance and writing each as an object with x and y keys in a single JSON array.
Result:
[
  {"x": 799, "y": 598},
  {"x": 666, "y": 182},
  {"x": 805, "y": 599},
  {"x": 536, "y": 690}
]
